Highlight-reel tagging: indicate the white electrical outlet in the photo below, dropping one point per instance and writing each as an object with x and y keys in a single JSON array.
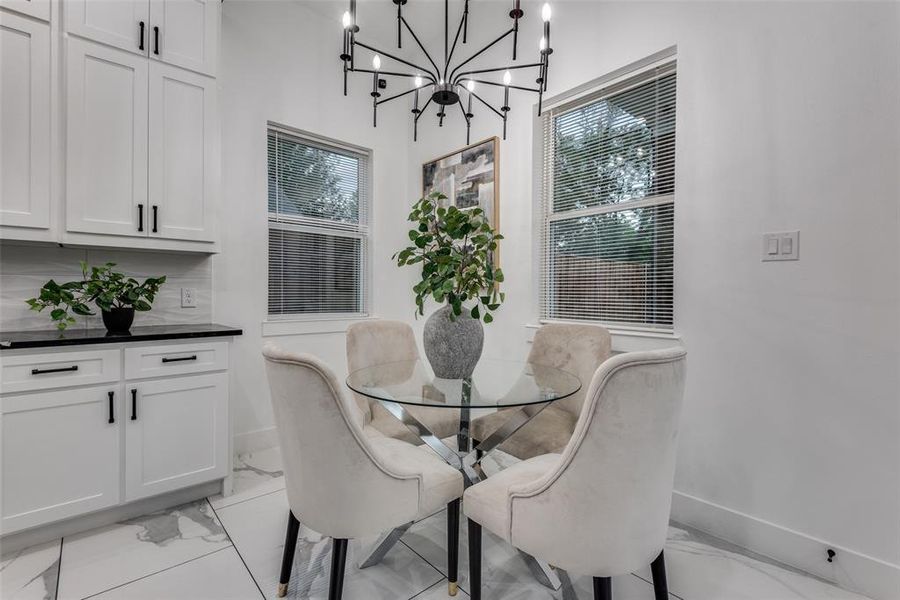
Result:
[
  {"x": 188, "y": 297},
  {"x": 784, "y": 245}
]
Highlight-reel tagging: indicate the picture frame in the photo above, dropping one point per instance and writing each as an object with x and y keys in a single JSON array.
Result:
[{"x": 469, "y": 177}]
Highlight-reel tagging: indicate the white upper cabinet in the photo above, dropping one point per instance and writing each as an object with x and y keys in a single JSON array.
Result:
[
  {"x": 106, "y": 168},
  {"x": 39, "y": 9},
  {"x": 185, "y": 33},
  {"x": 24, "y": 122},
  {"x": 124, "y": 24},
  {"x": 183, "y": 144}
]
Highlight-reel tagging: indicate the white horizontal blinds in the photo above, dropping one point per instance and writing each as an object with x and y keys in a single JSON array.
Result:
[
  {"x": 318, "y": 201},
  {"x": 608, "y": 196}
]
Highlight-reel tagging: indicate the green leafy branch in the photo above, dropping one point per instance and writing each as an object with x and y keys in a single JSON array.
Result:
[
  {"x": 455, "y": 248},
  {"x": 102, "y": 286}
]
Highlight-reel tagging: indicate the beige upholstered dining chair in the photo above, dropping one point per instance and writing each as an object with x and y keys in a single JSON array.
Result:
[
  {"x": 341, "y": 482},
  {"x": 601, "y": 508},
  {"x": 378, "y": 342},
  {"x": 578, "y": 349}
]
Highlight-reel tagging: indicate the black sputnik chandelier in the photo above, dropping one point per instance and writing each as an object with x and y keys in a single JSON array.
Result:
[{"x": 445, "y": 85}]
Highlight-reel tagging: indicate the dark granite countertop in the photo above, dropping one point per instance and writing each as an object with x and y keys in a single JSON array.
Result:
[{"x": 13, "y": 340}]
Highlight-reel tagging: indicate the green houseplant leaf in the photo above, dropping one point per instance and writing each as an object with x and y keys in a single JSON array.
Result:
[{"x": 455, "y": 248}]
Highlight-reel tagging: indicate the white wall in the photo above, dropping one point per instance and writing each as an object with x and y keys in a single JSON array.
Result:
[
  {"x": 280, "y": 63},
  {"x": 788, "y": 118}
]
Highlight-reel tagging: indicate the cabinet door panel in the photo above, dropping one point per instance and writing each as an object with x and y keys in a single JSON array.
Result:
[
  {"x": 39, "y": 9},
  {"x": 189, "y": 31},
  {"x": 61, "y": 455},
  {"x": 179, "y": 435},
  {"x": 183, "y": 141},
  {"x": 112, "y": 22},
  {"x": 106, "y": 170},
  {"x": 24, "y": 122}
]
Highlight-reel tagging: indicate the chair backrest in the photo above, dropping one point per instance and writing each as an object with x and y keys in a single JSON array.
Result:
[
  {"x": 578, "y": 349},
  {"x": 378, "y": 342},
  {"x": 334, "y": 482},
  {"x": 605, "y": 507}
]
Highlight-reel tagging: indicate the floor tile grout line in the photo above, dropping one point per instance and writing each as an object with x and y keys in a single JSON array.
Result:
[
  {"x": 441, "y": 573},
  {"x": 436, "y": 583},
  {"x": 651, "y": 583},
  {"x": 59, "y": 568},
  {"x": 233, "y": 545},
  {"x": 169, "y": 568},
  {"x": 245, "y": 499}
]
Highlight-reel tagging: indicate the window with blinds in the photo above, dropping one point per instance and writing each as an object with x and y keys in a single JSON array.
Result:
[
  {"x": 608, "y": 202},
  {"x": 318, "y": 227}
]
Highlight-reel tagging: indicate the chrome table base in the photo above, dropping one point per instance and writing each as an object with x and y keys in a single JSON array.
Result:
[{"x": 468, "y": 462}]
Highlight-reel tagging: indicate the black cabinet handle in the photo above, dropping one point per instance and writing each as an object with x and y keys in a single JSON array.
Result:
[
  {"x": 156, "y": 41},
  {"x": 59, "y": 370},
  {"x": 140, "y": 217},
  {"x": 141, "y": 43},
  {"x": 112, "y": 417},
  {"x": 168, "y": 360},
  {"x": 134, "y": 404},
  {"x": 155, "y": 217}
]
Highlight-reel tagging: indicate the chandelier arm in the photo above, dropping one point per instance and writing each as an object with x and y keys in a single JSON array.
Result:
[
  {"x": 455, "y": 40},
  {"x": 422, "y": 112},
  {"x": 480, "y": 99},
  {"x": 512, "y": 87},
  {"x": 416, "y": 38},
  {"x": 400, "y": 95},
  {"x": 432, "y": 76},
  {"x": 392, "y": 73},
  {"x": 477, "y": 54},
  {"x": 468, "y": 120},
  {"x": 462, "y": 76}
]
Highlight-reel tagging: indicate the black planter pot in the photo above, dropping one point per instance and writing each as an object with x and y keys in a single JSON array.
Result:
[{"x": 118, "y": 320}]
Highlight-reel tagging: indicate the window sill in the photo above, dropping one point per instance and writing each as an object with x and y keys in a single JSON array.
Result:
[
  {"x": 625, "y": 340},
  {"x": 282, "y": 327}
]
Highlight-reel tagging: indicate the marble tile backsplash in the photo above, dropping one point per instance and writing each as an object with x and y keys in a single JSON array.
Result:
[{"x": 24, "y": 269}]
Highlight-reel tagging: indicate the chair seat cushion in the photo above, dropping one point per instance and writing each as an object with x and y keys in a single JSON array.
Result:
[
  {"x": 443, "y": 422},
  {"x": 546, "y": 433},
  {"x": 487, "y": 502},
  {"x": 439, "y": 483}
]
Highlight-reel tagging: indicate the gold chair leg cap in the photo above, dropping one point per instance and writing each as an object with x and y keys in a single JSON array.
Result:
[
  {"x": 282, "y": 590},
  {"x": 453, "y": 588}
]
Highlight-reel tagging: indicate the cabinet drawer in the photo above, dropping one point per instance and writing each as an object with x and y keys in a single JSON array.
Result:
[
  {"x": 27, "y": 372},
  {"x": 175, "y": 359}
]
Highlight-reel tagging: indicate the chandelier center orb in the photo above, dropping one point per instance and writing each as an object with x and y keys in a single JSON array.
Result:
[{"x": 444, "y": 94}]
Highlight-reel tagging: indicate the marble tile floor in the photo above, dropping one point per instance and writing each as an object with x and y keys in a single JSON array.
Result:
[{"x": 230, "y": 548}]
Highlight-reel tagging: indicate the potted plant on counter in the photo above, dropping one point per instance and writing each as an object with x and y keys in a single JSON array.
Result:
[
  {"x": 455, "y": 248},
  {"x": 117, "y": 296}
]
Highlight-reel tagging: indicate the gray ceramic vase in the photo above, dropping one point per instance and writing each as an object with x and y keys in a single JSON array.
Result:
[{"x": 453, "y": 347}]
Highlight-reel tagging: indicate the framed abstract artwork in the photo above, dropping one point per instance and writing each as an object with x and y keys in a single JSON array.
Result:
[{"x": 469, "y": 178}]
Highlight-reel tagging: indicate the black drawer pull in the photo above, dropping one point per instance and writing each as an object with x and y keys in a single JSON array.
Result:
[
  {"x": 155, "y": 218},
  {"x": 141, "y": 43},
  {"x": 156, "y": 41},
  {"x": 112, "y": 417},
  {"x": 183, "y": 358},
  {"x": 140, "y": 217},
  {"x": 59, "y": 370},
  {"x": 134, "y": 404}
]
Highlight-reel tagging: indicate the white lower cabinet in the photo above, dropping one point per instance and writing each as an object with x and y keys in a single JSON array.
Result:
[
  {"x": 78, "y": 433},
  {"x": 61, "y": 454},
  {"x": 175, "y": 433}
]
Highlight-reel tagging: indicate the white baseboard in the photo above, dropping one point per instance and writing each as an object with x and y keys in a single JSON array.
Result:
[
  {"x": 850, "y": 570},
  {"x": 254, "y": 441}
]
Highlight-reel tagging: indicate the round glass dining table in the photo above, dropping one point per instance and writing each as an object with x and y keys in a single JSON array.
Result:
[{"x": 523, "y": 387}]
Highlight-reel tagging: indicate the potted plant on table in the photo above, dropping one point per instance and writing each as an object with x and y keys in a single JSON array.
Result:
[
  {"x": 455, "y": 248},
  {"x": 116, "y": 295}
]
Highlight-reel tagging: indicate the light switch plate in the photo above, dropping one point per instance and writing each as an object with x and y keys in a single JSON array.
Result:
[
  {"x": 188, "y": 298},
  {"x": 781, "y": 245}
]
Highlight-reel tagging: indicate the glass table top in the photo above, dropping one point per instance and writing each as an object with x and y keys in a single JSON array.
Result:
[{"x": 495, "y": 383}]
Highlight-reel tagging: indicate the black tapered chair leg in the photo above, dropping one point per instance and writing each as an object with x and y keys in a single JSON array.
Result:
[
  {"x": 660, "y": 585},
  {"x": 453, "y": 546},
  {"x": 474, "y": 560},
  {"x": 287, "y": 559},
  {"x": 602, "y": 588},
  {"x": 338, "y": 560}
]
